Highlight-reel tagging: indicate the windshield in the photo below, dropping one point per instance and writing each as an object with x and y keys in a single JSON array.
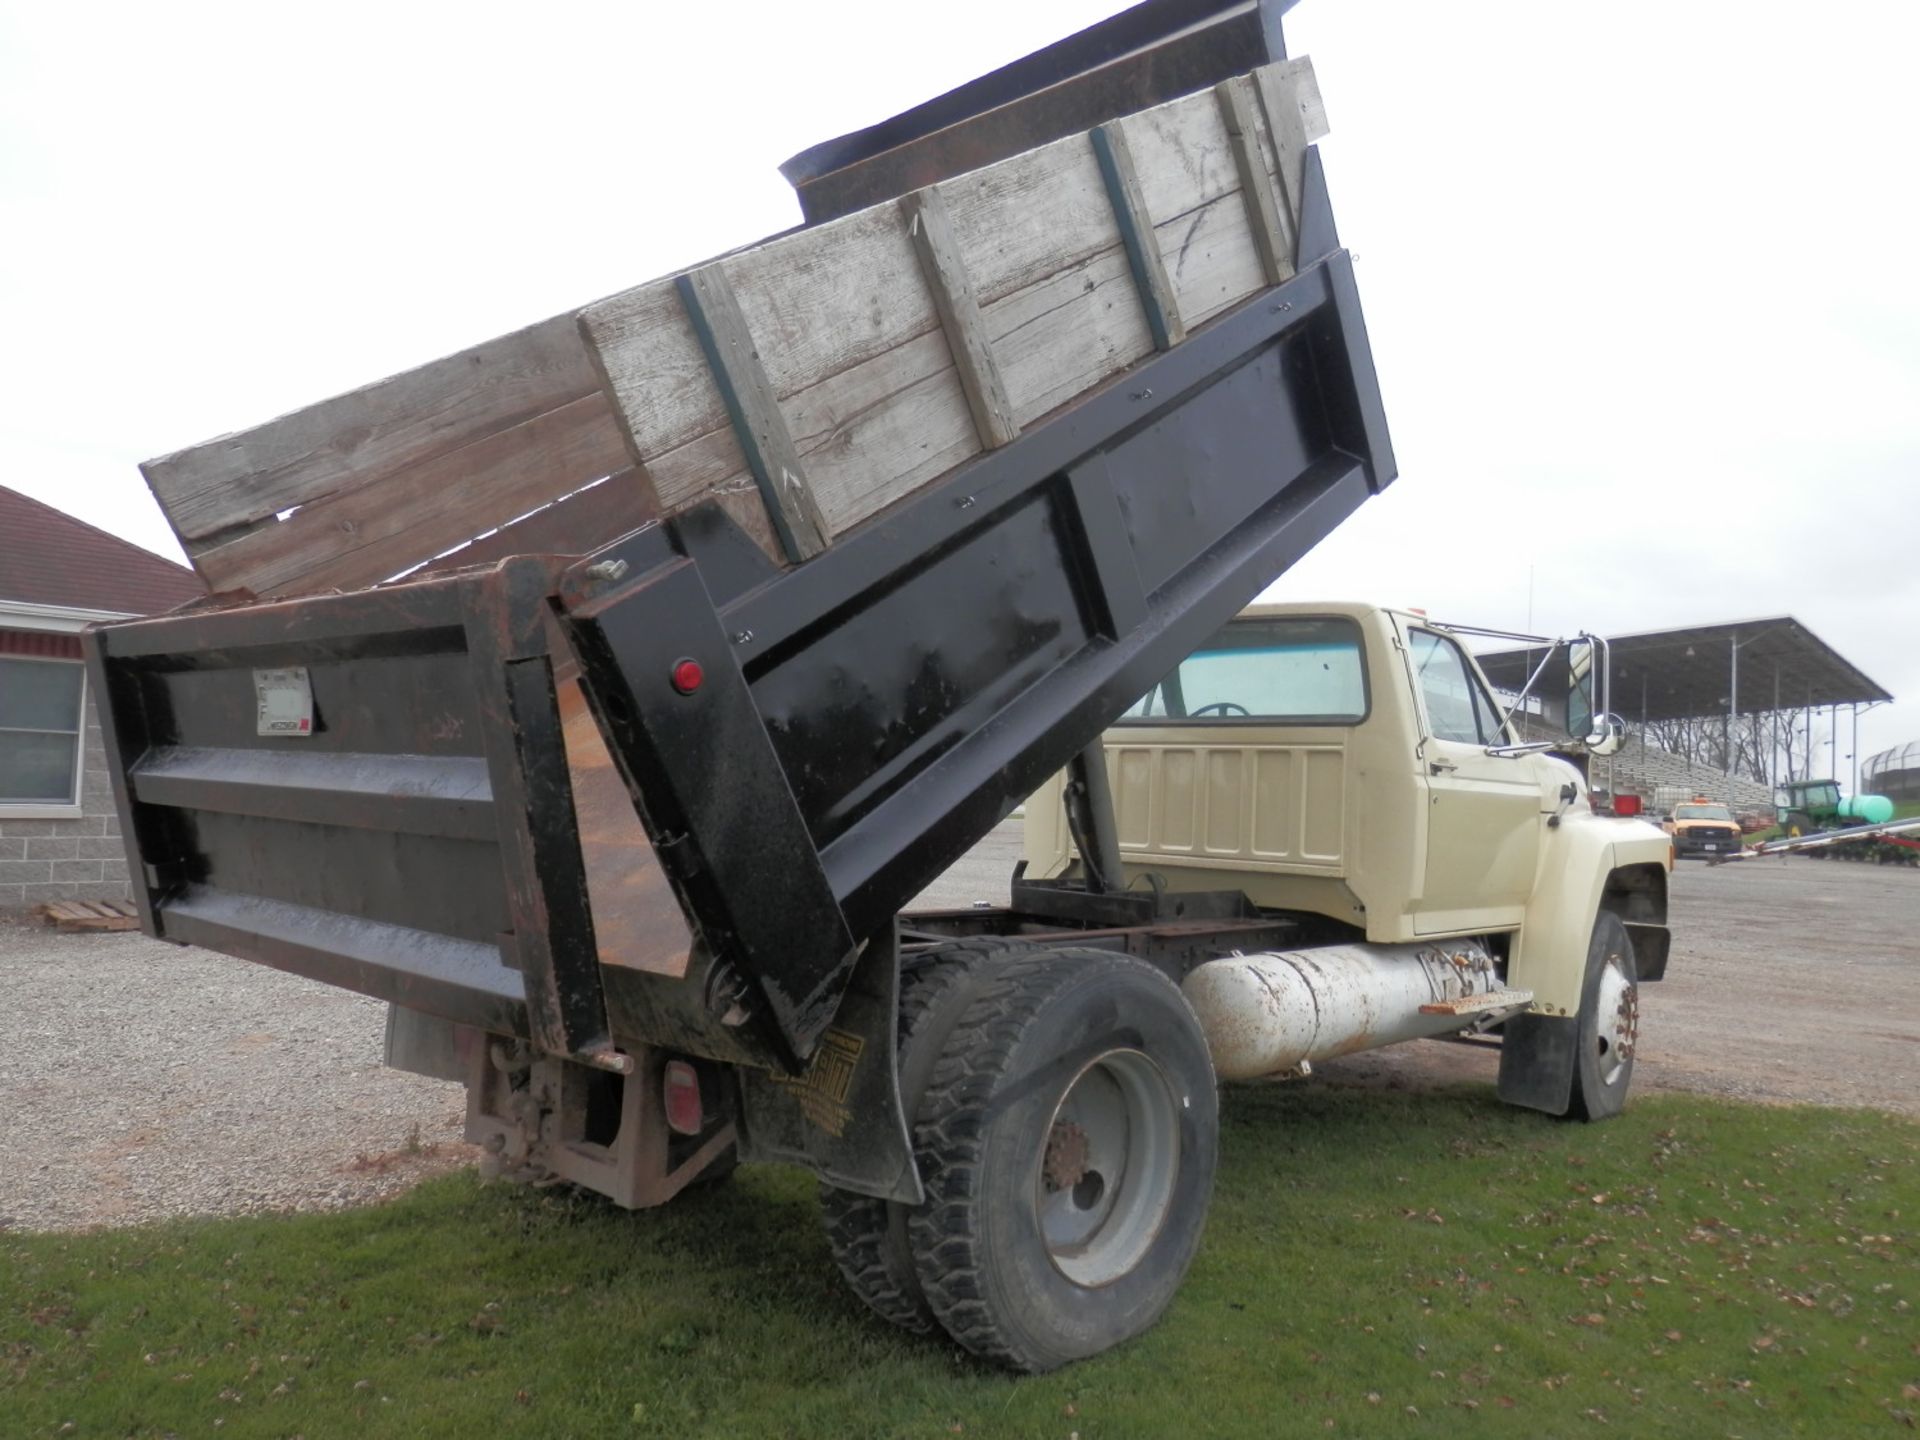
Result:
[
  {"x": 1702, "y": 812},
  {"x": 1299, "y": 669}
]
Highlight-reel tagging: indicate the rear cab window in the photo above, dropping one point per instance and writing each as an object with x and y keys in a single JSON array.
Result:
[{"x": 1283, "y": 670}]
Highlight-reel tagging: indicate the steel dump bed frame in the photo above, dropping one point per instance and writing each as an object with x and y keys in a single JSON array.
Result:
[{"x": 847, "y": 727}]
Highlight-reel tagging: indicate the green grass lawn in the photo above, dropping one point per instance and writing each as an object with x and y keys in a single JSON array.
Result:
[{"x": 1377, "y": 1264}]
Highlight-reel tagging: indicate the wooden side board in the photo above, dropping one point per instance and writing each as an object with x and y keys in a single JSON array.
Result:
[
  {"x": 365, "y": 534},
  {"x": 805, "y": 383},
  {"x": 357, "y": 439}
]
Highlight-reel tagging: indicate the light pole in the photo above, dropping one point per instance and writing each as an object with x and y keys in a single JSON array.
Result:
[{"x": 1733, "y": 694}]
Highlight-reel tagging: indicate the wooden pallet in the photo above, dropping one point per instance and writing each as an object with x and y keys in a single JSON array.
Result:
[
  {"x": 804, "y": 383},
  {"x": 90, "y": 915}
]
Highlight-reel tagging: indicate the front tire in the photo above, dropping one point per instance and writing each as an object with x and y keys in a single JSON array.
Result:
[
  {"x": 1609, "y": 1023},
  {"x": 1068, "y": 1138}
]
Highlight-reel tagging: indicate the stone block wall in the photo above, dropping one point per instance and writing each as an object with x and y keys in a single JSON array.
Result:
[{"x": 78, "y": 858}]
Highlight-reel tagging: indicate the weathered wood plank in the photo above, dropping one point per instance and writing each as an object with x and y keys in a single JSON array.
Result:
[
  {"x": 354, "y": 439},
  {"x": 794, "y": 293},
  {"x": 71, "y": 916},
  {"x": 758, "y": 425},
  {"x": 820, "y": 301},
  {"x": 572, "y": 525},
  {"x": 1156, "y": 295},
  {"x": 878, "y": 431},
  {"x": 651, "y": 362},
  {"x": 1295, "y": 118},
  {"x": 1210, "y": 258},
  {"x": 1068, "y": 333},
  {"x": 1058, "y": 339},
  {"x": 931, "y": 231},
  {"x": 1029, "y": 218},
  {"x": 1182, "y": 156},
  {"x": 1272, "y": 237},
  {"x": 365, "y": 535}
]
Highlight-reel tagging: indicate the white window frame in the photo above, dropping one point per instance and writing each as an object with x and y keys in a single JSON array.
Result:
[
  {"x": 75, "y": 808},
  {"x": 69, "y": 620}
]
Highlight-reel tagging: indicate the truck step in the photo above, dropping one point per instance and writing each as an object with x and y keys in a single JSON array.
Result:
[{"x": 1468, "y": 1007}]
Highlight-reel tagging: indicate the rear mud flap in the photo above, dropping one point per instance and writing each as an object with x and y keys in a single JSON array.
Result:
[
  {"x": 842, "y": 1118},
  {"x": 1537, "y": 1055}
]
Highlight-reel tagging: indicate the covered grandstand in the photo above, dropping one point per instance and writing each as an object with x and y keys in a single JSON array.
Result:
[{"x": 1732, "y": 709}]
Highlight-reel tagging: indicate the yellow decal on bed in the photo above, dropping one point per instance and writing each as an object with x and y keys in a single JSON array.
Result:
[{"x": 822, "y": 1091}]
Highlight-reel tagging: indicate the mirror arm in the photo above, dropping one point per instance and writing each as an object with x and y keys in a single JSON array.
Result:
[
  {"x": 1520, "y": 699},
  {"x": 1532, "y": 747}
]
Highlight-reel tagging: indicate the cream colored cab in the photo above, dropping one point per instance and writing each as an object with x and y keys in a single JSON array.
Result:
[{"x": 1346, "y": 761}]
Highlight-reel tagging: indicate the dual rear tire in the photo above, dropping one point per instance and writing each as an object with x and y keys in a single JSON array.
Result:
[{"x": 1066, "y": 1128}]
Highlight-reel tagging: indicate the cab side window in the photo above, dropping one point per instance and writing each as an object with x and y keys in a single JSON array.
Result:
[{"x": 1458, "y": 708}]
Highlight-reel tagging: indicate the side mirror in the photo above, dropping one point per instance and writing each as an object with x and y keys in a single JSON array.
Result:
[
  {"x": 1580, "y": 690},
  {"x": 1607, "y": 736}
]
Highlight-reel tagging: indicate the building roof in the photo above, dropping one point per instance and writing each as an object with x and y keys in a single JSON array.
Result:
[
  {"x": 49, "y": 558},
  {"x": 1688, "y": 673}
]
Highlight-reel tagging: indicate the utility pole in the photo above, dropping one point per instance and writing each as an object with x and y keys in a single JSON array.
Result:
[{"x": 1773, "y": 750}]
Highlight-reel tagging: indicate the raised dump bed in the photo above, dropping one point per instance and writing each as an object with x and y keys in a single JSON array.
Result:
[{"x": 946, "y": 484}]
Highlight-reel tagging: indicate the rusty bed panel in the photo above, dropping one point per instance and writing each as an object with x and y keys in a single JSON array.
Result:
[{"x": 637, "y": 922}]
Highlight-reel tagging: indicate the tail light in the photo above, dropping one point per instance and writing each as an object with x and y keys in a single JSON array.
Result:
[{"x": 680, "y": 1095}]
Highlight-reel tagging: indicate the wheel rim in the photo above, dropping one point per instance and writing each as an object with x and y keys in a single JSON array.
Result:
[
  {"x": 1107, "y": 1168},
  {"x": 1617, "y": 1012}
]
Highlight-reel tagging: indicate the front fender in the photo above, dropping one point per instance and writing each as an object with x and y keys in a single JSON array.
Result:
[{"x": 1549, "y": 955}]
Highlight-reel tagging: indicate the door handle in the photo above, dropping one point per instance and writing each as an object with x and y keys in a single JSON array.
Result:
[{"x": 1441, "y": 767}]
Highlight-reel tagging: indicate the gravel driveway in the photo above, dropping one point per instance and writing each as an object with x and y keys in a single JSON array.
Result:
[
  {"x": 1791, "y": 981},
  {"x": 140, "y": 1080}
]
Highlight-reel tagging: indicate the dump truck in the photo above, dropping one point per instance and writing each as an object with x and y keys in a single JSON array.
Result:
[{"x": 599, "y": 697}]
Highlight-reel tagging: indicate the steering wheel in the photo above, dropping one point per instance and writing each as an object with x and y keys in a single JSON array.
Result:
[{"x": 1225, "y": 707}]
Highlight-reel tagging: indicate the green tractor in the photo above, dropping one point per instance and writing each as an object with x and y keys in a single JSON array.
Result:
[{"x": 1813, "y": 807}]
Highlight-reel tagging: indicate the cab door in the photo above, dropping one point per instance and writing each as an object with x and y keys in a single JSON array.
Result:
[{"x": 1485, "y": 826}]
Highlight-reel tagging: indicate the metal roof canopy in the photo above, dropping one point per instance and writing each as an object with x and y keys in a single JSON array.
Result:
[{"x": 1687, "y": 674}]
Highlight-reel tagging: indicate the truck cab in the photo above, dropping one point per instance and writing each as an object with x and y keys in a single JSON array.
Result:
[{"x": 1351, "y": 762}]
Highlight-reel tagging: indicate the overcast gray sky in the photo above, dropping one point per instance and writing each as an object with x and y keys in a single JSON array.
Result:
[{"x": 1640, "y": 278}]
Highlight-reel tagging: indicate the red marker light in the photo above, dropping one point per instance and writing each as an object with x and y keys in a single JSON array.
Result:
[
  {"x": 680, "y": 1096},
  {"x": 687, "y": 676}
]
